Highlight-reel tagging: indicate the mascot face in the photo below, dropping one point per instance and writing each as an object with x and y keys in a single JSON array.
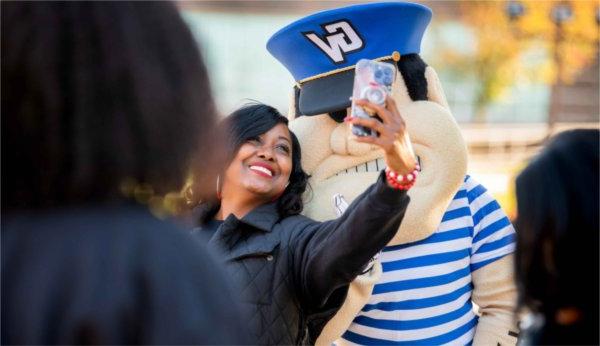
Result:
[{"x": 340, "y": 165}]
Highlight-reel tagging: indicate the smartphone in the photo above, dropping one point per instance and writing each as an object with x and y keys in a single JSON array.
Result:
[{"x": 372, "y": 81}]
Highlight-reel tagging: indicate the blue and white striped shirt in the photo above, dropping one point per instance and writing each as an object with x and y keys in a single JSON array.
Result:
[{"x": 424, "y": 294}]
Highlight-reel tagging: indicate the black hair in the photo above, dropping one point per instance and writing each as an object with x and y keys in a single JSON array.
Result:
[
  {"x": 250, "y": 121},
  {"x": 97, "y": 93},
  {"x": 557, "y": 227}
]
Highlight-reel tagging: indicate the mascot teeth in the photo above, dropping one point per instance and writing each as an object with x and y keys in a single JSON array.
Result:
[{"x": 369, "y": 166}]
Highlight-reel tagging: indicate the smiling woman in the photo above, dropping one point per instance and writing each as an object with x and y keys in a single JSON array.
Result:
[
  {"x": 292, "y": 272},
  {"x": 259, "y": 171},
  {"x": 264, "y": 164}
]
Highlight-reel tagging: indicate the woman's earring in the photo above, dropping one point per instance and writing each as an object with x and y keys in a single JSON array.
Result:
[
  {"x": 286, "y": 185},
  {"x": 219, "y": 186}
]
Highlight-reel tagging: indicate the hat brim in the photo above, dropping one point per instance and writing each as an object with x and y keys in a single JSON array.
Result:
[{"x": 327, "y": 94}]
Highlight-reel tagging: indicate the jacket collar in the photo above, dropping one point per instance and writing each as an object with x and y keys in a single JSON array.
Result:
[
  {"x": 229, "y": 238},
  {"x": 262, "y": 217}
]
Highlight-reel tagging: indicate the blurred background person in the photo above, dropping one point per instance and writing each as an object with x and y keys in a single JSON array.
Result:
[
  {"x": 104, "y": 104},
  {"x": 557, "y": 241}
]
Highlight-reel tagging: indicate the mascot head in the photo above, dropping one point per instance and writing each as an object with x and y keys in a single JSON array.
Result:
[{"x": 321, "y": 51}]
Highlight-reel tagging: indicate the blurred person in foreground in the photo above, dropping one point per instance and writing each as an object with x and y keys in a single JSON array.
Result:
[
  {"x": 104, "y": 105},
  {"x": 557, "y": 241},
  {"x": 289, "y": 269}
]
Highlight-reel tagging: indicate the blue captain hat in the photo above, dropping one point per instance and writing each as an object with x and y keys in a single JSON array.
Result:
[{"x": 321, "y": 50}]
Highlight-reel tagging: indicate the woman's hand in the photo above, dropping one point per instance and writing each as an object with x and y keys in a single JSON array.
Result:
[{"x": 393, "y": 137}]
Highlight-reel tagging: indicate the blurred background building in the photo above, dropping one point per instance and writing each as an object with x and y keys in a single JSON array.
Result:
[{"x": 514, "y": 72}]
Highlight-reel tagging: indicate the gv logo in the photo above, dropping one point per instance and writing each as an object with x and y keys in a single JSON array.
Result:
[{"x": 340, "y": 40}]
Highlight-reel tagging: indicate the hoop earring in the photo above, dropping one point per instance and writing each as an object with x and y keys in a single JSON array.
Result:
[{"x": 219, "y": 186}]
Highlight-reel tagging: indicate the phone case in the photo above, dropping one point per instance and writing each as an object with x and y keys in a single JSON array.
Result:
[{"x": 372, "y": 81}]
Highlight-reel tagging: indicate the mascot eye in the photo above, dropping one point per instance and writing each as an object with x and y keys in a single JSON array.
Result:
[
  {"x": 419, "y": 162},
  {"x": 338, "y": 116}
]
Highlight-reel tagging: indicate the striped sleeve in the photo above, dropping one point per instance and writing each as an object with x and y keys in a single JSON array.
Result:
[{"x": 493, "y": 234}]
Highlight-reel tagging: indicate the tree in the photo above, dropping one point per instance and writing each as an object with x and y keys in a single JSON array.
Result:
[{"x": 503, "y": 43}]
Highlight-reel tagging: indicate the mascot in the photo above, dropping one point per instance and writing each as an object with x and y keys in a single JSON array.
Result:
[{"x": 454, "y": 247}]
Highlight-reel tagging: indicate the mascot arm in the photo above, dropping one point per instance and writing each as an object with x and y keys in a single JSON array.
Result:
[
  {"x": 358, "y": 295},
  {"x": 495, "y": 294}
]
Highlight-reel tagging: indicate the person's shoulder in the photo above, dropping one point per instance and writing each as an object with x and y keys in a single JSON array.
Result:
[
  {"x": 297, "y": 221},
  {"x": 295, "y": 225},
  {"x": 93, "y": 227},
  {"x": 469, "y": 182},
  {"x": 475, "y": 191}
]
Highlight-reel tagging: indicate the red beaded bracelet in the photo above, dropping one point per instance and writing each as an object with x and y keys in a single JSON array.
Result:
[{"x": 402, "y": 182}]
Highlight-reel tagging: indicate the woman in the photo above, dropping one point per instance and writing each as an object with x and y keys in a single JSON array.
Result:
[
  {"x": 557, "y": 242},
  {"x": 104, "y": 106},
  {"x": 292, "y": 271}
]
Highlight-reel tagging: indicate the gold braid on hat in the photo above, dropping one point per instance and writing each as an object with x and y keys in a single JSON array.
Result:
[{"x": 395, "y": 56}]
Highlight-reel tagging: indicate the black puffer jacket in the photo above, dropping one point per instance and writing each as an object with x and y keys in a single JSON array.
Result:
[
  {"x": 110, "y": 276},
  {"x": 294, "y": 272}
]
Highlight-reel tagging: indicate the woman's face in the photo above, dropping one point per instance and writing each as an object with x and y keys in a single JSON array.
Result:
[{"x": 262, "y": 166}]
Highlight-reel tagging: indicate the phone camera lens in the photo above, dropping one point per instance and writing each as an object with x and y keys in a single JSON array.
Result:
[{"x": 375, "y": 95}]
